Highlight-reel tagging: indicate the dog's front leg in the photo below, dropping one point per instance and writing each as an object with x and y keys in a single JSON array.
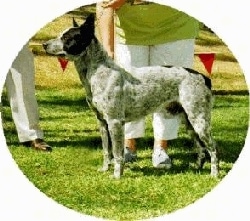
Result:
[
  {"x": 106, "y": 145},
  {"x": 116, "y": 131}
]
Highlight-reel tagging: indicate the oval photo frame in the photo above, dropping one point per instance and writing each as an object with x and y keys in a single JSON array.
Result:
[{"x": 21, "y": 200}]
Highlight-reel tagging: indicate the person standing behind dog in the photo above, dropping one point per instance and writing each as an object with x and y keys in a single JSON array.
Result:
[
  {"x": 147, "y": 34},
  {"x": 20, "y": 86}
]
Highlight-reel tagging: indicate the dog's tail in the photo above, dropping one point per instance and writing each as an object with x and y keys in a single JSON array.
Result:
[{"x": 208, "y": 81}]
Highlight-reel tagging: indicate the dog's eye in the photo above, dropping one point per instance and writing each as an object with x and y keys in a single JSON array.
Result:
[{"x": 63, "y": 38}]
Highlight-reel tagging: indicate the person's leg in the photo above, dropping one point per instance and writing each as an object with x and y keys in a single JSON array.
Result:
[
  {"x": 179, "y": 53},
  {"x": 128, "y": 56},
  {"x": 20, "y": 85}
]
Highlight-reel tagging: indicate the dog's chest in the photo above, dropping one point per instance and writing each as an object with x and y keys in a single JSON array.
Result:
[{"x": 106, "y": 90}]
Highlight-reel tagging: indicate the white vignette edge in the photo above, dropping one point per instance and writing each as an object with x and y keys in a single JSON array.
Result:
[{"x": 20, "y": 199}]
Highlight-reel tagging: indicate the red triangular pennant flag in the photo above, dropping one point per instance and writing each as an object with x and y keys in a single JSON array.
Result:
[
  {"x": 207, "y": 59},
  {"x": 63, "y": 62}
]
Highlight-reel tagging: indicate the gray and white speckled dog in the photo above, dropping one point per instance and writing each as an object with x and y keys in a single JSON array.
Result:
[{"x": 117, "y": 96}]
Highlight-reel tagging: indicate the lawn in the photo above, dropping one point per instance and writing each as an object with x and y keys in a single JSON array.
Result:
[{"x": 69, "y": 174}]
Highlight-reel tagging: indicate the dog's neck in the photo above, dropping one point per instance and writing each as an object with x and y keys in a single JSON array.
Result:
[
  {"x": 89, "y": 60},
  {"x": 93, "y": 56}
]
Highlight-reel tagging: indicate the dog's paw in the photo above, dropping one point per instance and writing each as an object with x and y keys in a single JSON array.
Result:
[
  {"x": 118, "y": 171},
  {"x": 115, "y": 177},
  {"x": 103, "y": 169},
  {"x": 214, "y": 170}
]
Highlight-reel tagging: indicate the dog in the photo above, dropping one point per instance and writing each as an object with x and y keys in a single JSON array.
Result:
[{"x": 117, "y": 96}]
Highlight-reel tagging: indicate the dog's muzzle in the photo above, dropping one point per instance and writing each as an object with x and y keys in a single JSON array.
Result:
[
  {"x": 45, "y": 45},
  {"x": 54, "y": 47}
]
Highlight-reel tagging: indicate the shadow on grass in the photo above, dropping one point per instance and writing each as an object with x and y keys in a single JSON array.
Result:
[
  {"x": 185, "y": 164},
  {"x": 182, "y": 151},
  {"x": 226, "y": 101},
  {"x": 228, "y": 151},
  {"x": 181, "y": 148},
  {"x": 89, "y": 142},
  {"x": 207, "y": 38},
  {"x": 226, "y": 57},
  {"x": 183, "y": 156},
  {"x": 208, "y": 42},
  {"x": 175, "y": 169},
  {"x": 74, "y": 105}
]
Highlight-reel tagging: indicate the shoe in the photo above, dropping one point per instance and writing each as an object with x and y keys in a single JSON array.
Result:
[
  {"x": 160, "y": 159},
  {"x": 129, "y": 156},
  {"x": 38, "y": 144}
]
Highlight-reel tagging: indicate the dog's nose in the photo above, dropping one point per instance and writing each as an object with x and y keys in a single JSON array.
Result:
[{"x": 45, "y": 45}]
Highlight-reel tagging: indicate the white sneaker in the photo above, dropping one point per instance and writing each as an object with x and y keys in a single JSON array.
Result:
[{"x": 160, "y": 159}]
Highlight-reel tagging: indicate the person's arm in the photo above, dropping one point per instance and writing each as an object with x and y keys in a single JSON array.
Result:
[
  {"x": 115, "y": 4},
  {"x": 105, "y": 26},
  {"x": 105, "y": 23}
]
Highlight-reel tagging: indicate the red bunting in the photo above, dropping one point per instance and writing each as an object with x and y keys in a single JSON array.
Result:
[
  {"x": 207, "y": 59},
  {"x": 63, "y": 62}
]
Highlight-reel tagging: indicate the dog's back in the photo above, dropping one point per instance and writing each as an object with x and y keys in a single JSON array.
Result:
[{"x": 118, "y": 96}]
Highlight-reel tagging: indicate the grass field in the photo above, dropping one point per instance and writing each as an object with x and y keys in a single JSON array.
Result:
[{"x": 69, "y": 174}]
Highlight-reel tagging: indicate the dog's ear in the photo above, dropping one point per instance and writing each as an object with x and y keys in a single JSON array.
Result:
[
  {"x": 89, "y": 23},
  {"x": 75, "y": 23},
  {"x": 90, "y": 19}
]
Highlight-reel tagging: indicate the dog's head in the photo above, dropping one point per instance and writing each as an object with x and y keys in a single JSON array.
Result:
[{"x": 74, "y": 40}]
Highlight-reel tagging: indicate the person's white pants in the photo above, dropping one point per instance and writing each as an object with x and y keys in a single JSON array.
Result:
[
  {"x": 178, "y": 53},
  {"x": 20, "y": 85}
]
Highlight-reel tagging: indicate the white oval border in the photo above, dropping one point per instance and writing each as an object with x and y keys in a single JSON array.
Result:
[{"x": 20, "y": 200}]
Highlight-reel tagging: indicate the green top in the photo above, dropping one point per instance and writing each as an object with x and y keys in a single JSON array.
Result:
[{"x": 151, "y": 23}]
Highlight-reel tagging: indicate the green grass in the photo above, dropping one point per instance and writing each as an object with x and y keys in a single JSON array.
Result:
[{"x": 69, "y": 174}]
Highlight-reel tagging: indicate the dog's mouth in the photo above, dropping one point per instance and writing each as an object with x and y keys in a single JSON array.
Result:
[
  {"x": 55, "y": 53},
  {"x": 62, "y": 57},
  {"x": 53, "y": 49}
]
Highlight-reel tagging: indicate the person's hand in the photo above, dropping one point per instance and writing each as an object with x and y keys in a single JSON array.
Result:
[{"x": 115, "y": 4}]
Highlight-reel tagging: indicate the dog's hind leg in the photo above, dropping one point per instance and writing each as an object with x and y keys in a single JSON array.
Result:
[
  {"x": 198, "y": 144},
  {"x": 198, "y": 110},
  {"x": 116, "y": 131},
  {"x": 106, "y": 145},
  {"x": 207, "y": 143},
  {"x": 204, "y": 141},
  {"x": 201, "y": 151}
]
